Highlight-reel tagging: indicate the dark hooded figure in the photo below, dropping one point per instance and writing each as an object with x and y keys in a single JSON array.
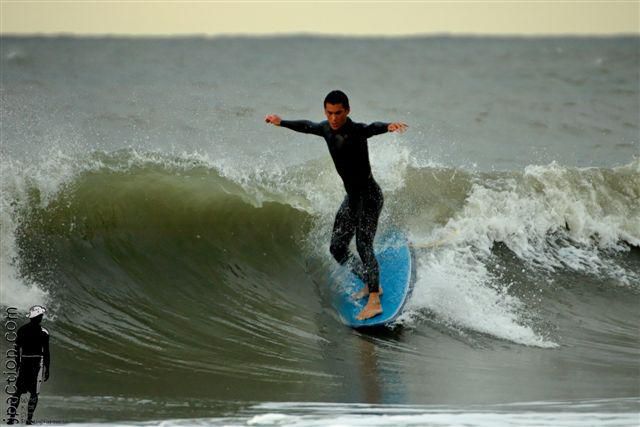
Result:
[{"x": 32, "y": 347}]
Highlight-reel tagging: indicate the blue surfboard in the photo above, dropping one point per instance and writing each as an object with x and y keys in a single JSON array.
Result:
[{"x": 396, "y": 278}]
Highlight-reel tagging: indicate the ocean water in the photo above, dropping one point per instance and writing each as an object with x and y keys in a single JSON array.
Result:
[{"x": 180, "y": 244}]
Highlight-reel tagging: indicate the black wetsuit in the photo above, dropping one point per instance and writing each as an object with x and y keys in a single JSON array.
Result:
[
  {"x": 359, "y": 212},
  {"x": 32, "y": 344}
]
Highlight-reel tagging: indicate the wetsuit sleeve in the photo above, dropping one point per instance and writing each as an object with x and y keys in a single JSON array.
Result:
[
  {"x": 375, "y": 128},
  {"x": 45, "y": 353},
  {"x": 304, "y": 126}
]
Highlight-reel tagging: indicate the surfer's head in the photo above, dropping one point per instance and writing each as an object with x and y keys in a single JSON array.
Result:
[
  {"x": 336, "y": 108},
  {"x": 36, "y": 313}
]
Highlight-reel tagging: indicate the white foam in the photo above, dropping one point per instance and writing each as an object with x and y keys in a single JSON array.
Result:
[
  {"x": 14, "y": 291},
  {"x": 556, "y": 217},
  {"x": 446, "y": 418},
  {"x": 45, "y": 176},
  {"x": 293, "y": 414},
  {"x": 455, "y": 285},
  {"x": 530, "y": 215},
  {"x": 589, "y": 202},
  {"x": 271, "y": 419},
  {"x": 389, "y": 162}
]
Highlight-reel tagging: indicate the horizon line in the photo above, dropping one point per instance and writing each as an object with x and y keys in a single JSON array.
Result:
[{"x": 311, "y": 34}]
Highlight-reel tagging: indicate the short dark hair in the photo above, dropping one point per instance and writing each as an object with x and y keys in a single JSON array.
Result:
[{"x": 337, "y": 97}]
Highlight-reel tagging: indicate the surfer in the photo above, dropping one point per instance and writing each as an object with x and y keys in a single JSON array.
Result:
[
  {"x": 359, "y": 212},
  {"x": 32, "y": 348}
]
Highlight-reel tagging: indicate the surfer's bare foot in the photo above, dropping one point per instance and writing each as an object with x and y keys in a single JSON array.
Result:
[
  {"x": 373, "y": 307},
  {"x": 364, "y": 292}
]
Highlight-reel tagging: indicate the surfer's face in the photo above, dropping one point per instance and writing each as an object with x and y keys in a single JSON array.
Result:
[{"x": 336, "y": 115}]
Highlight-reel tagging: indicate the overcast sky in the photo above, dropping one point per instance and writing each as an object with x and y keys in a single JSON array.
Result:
[{"x": 153, "y": 17}]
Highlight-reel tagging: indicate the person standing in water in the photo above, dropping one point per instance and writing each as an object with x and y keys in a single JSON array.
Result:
[
  {"x": 33, "y": 361},
  {"x": 359, "y": 212}
]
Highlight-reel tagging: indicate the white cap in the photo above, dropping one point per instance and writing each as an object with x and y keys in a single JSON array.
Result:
[{"x": 35, "y": 311}]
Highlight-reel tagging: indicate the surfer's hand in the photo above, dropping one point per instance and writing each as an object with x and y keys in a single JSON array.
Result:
[
  {"x": 397, "y": 127},
  {"x": 274, "y": 119}
]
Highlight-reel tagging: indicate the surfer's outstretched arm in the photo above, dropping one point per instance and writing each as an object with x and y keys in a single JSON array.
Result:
[
  {"x": 377, "y": 128},
  {"x": 304, "y": 126}
]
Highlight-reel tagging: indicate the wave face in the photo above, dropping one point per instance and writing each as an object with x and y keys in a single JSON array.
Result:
[{"x": 161, "y": 267}]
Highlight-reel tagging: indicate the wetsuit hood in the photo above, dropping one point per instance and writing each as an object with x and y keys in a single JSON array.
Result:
[{"x": 35, "y": 311}]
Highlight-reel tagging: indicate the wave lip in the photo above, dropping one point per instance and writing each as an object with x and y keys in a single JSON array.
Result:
[
  {"x": 554, "y": 222},
  {"x": 558, "y": 218}
]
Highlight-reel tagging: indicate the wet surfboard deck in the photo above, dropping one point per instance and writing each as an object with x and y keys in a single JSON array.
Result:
[{"x": 396, "y": 278}]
